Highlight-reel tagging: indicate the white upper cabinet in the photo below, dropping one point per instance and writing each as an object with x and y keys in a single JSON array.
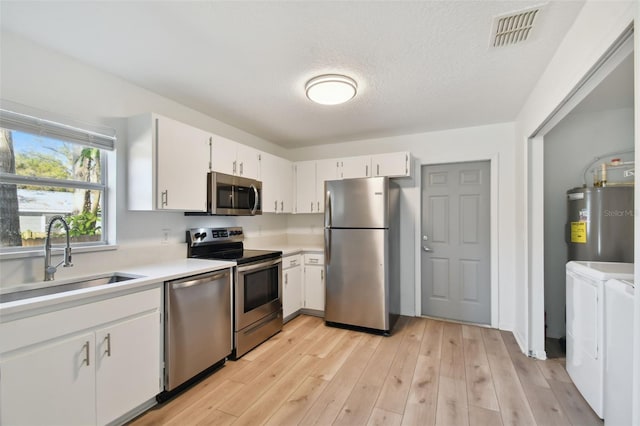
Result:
[
  {"x": 276, "y": 174},
  {"x": 234, "y": 158},
  {"x": 305, "y": 179},
  {"x": 354, "y": 167},
  {"x": 310, "y": 177},
  {"x": 167, "y": 165},
  {"x": 393, "y": 164},
  {"x": 325, "y": 170}
]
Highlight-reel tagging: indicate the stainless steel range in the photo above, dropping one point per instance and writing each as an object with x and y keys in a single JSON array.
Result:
[{"x": 257, "y": 283}]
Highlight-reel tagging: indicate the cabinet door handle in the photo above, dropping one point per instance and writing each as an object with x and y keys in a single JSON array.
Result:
[
  {"x": 321, "y": 274},
  {"x": 312, "y": 206},
  {"x": 318, "y": 206},
  {"x": 366, "y": 170},
  {"x": 241, "y": 168},
  {"x": 286, "y": 278},
  {"x": 86, "y": 353},
  {"x": 108, "y": 340},
  {"x": 164, "y": 199},
  {"x": 378, "y": 169},
  {"x": 234, "y": 167},
  {"x": 275, "y": 205},
  {"x": 281, "y": 206},
  {"x": 313, "y": 260}
]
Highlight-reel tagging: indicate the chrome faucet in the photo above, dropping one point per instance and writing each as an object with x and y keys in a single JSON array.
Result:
[{"x": 49, "y": 270}]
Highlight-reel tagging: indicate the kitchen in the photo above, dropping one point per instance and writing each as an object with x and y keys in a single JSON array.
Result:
[{"x": 141, "y": 236}]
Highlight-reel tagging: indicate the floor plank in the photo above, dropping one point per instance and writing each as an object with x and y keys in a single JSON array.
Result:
[
  {"x": 479, "y": 416},
  {"x": 480, "y": 388},
  {"x": 576, "y": 408},
  {"x": 452, "y": 355},
  {"x": 380, "y": 417},
  {"x": 330, "y": 401},
  {"x": 427, "y": 372},
  {"x": 296, "y": 406},
  {"x": 452, "y": 402},
  {"x": 423, "y": 394},
  {"x": 514, "y": 406},
  {"x": 395, "y": 389}
]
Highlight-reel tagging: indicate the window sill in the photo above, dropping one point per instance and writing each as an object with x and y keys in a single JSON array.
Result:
[{"x": 39, "y": 251}]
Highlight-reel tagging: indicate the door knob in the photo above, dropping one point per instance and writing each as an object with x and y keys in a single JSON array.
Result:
[{"x": 425, "y": 248}]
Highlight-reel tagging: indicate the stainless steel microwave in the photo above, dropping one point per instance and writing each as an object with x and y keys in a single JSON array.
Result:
[{"x": 233, "y": 195}]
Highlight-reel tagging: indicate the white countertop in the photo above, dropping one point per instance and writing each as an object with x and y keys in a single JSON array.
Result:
[
  {"x": 150, "y": 274},
  {"x": 286, "y": 249}
]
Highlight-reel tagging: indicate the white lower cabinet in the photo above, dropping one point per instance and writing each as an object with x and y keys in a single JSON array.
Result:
[
  {"x": 291, "y": 286},
  {"x": 127, "y": 365},
  {"x": 88, "y": 364},
  {"x": 50, "y": 384},
  {"x": 314, "y": 286}
]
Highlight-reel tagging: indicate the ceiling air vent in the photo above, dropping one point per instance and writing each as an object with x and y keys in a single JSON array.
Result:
[{"x": 513, "y": 28}]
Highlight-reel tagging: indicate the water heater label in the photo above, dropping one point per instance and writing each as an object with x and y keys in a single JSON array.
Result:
[{"x": 578, "y": 232}]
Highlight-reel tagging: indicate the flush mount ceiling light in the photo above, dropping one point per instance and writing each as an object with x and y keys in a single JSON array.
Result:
[{"x": 331, "y": 89}]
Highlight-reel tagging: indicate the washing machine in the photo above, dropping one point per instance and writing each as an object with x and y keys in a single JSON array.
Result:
[
  {"x": 585, "y": 325},
  {"x": 618, "y": 348}
]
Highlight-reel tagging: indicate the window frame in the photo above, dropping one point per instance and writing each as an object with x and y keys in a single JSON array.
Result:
[{"x": 18, "y": 118}]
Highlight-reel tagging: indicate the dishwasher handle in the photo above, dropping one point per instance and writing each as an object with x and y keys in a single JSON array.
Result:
[{"x": 200, "y": 280}]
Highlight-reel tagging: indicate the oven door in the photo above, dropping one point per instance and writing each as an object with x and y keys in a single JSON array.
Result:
[{"x": 258, "y": 291}]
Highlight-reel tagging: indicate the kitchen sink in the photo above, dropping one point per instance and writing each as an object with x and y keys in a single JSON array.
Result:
[{"x": 68, "y": 286}]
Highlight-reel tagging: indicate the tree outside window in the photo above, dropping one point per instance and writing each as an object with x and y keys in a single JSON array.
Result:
[{"x": 41, "y": 177}]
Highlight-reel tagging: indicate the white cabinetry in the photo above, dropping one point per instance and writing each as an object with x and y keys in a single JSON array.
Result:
[
  {"x": 50, "y": 384},
  {"x": 393, "y": 164},
  {"x": 354, "y": 167},
  {"x": 167, "y": 165},
  {"x": 87, "y": 364},
  {"x": 126, "y": 353},
  {"x": 291, "y": 286},
  {"x": 277, "y": 184},
  {"x": 314, "y": 286},
  {"x": 233, "y": 158},
  {"x": 310, "y": 177}
]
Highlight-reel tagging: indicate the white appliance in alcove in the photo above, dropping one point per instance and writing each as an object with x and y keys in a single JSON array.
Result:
[
  {"x": 618, "y": 347},
  {"x": 585, "y": 325}
]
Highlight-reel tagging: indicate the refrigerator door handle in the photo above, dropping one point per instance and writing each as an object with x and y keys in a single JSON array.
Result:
[
  {"x": 327, "y": 247},
  {"x": 327, "y": 210}
]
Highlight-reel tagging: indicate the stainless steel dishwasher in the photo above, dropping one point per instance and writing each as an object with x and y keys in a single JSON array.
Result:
[{"x": 198, "y": 326}]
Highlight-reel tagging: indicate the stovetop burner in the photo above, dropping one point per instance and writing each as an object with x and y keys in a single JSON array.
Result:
[{"x": 224, "y": 244}]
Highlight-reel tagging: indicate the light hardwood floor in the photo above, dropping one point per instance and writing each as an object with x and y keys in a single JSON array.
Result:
[{"x": 427, "y": 372}]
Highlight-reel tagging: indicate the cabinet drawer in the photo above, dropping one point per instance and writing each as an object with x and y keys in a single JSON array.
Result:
[
  {"x": 291, "y": 261},
  {"x": 314, "y": 259}
]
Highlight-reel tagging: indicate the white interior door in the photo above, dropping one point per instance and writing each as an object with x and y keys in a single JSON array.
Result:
[{"x": 456, "y": 249}]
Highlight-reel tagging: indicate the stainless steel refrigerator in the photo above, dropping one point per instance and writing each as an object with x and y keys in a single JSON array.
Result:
[
  {"x": 600, "y": 224},
  {"x": 362, "y": 253}
]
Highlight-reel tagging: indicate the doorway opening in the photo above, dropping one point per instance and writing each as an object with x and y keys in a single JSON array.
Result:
[{"x": 594, "y": 125}]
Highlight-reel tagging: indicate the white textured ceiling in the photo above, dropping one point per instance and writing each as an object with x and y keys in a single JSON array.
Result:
[{"x": 420, "y": 65}]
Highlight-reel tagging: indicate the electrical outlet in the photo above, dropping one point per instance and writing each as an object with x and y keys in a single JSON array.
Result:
[{"x": 165, "y": 236}]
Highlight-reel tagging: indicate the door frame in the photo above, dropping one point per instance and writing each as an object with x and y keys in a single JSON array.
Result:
[
  {"x": 534, "y": 202},
  {"x": 494, "y": 213}
]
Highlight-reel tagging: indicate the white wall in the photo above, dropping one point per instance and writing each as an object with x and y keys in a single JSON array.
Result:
[
  {"x": 568, "y": 148},
  {"x": 459, "y": 145}
]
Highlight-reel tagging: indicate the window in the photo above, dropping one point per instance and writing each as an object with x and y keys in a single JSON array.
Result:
[{"x": 50, "y": 168}]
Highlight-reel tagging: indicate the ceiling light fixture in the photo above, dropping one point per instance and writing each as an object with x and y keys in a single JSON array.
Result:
[{"x": 331, "y": 89}]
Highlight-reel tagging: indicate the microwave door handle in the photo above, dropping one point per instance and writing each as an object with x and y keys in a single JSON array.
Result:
[{"x": 257, "y": 199}]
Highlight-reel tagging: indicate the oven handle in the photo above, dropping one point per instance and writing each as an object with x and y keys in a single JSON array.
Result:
[
  {"x": 257, "y": 201},
  {"x": 199, "y": 280},
  {"x": 261, "y": 265}
]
